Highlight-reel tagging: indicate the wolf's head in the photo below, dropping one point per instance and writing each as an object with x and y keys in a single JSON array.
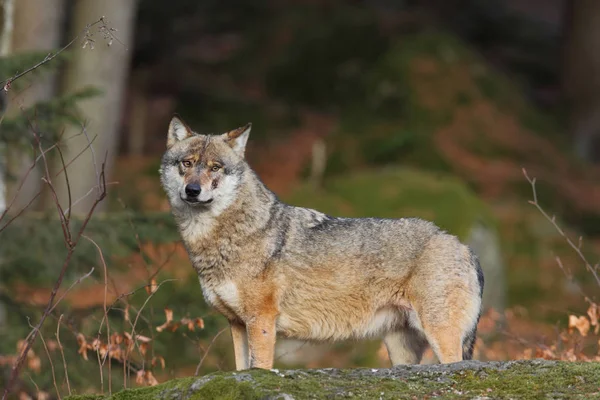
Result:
[{"x": 203, "y": 172}]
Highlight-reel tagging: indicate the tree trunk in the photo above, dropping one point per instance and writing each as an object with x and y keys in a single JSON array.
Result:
[
  {"x": 581, "y": 75},
  {"x": 37, "y": 26},
  {"x": 6, "y": 30},
  {"x": 104, "y": 67},
  {"x": 139, "y": 114}
]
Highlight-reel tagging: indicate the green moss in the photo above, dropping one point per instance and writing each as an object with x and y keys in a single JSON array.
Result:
[
  {"x": 522, "y": 379},
  {"x": 394, "y": 193},
  {"x": 181, "y": 385},
  {"x": 523, "y": 382}
]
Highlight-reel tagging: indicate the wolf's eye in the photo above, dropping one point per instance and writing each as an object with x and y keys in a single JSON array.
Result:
[
  {"x": 186, "y": 163},
  {"x": 215, "y": 168}
]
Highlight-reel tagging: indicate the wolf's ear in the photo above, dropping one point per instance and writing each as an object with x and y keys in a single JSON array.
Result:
[
  {"x": 178, "y": 130},
  {"x": 238, "y": 138}
]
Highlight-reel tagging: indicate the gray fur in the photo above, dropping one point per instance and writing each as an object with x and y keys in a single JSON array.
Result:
[{"x": 312, "y": 276}]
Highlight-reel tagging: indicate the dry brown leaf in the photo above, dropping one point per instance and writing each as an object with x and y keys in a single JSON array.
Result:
[
  {"x": 126, "y": 313},
  {"x": 169, "y": 316},
  {"x": 582, "y": 324},
  {"x": 143, "y": 348},
  {"x": 34, "y": 363},
  {"x": 21, "y": 346},
  {"x": 82, "y": 346},
  {"x": 175, "y": 326},
  {"x": 594, "y": 313},
  {"x": 41, "y": 395},
  {"x": 52, "y": 344},
  {"x": 191, "y": 326},
  {"x": 200, "y": 323},
  {"x": 143, "y": 339},
  {"x": 7, "y": 360},
  {"x": 158, "y": 359},
  {"x": 139, "y": 377},
  {"x": 102, "y": 349},
  {"x": 152, "y": 287},
  {"x": 116, "y": 353},
  {"x": 95, "y": 344},
  {"x": 545, "y": 353},
  {"x": 116, "y": 338},
  {"x": 569, "y": 355},
  {"x": 150, "y": 379},
  {"x": 145, "y": 377}
]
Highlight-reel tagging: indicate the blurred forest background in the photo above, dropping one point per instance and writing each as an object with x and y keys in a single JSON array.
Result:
[{"x": 390, "y": 108}]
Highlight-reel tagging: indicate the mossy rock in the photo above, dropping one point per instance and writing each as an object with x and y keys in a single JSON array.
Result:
[{"x": 531, "y": 379}]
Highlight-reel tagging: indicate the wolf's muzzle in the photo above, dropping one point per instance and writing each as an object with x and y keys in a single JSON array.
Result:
[{"x": 192, "y": 190}]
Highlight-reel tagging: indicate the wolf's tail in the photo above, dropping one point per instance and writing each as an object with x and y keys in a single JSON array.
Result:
[
  {"x": 469, "y": 339},
  {"x": 469, "y": 343}
]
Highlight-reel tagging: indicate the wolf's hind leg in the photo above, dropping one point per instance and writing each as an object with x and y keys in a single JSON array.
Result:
[
  {"x": 404, "y": 346},
  {"x": 446, "y": 344},
  {"x": 446, "y": 322}
]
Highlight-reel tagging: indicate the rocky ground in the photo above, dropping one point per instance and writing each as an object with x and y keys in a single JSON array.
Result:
[{"x": 532, "y": 379}]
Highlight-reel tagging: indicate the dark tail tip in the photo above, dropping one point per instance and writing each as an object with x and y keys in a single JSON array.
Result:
[{"x": 469, "y": 343}]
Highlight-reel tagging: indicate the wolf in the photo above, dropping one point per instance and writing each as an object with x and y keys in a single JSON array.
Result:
[{"x": 274, "y": 269}]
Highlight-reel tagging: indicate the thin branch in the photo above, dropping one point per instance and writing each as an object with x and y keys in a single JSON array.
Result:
[
  {"x": 77, "y": 282},
  {"x": 22, "y": 183},
  {"x": 68, "y": 184},
  {"x": 62, "y": 352},
  {"x": 51, "y": 366},
  {"x": 552, "y": 220},
  {"x": 49, "y": 57},
  {"x": 207, "y": 350},
  {"x": 105, "y": 309},
  {"x": 70, "y": 251}
]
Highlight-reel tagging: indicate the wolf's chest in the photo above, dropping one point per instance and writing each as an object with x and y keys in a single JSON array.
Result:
[{"x": 224, "y": 296}]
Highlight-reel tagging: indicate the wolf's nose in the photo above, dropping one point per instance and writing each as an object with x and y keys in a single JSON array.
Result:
[{"x": 192, "y": 189}]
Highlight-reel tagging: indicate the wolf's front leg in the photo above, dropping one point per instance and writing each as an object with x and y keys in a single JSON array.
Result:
[
  {"x": 240, "y": 345},
  {"x": 261, "y": 340}
]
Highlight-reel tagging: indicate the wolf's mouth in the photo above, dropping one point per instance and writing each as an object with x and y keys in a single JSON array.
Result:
[{"x": 196, "y": 202}]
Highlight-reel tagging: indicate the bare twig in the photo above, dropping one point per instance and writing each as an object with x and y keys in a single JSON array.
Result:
[
  {"x": 68, "y": 185},
  {"x": 137, "y": 317},
  {"x": 105, "y": 318},
  {"x": 77, "y": 282},
  {"x": 71, "y": 245},
  {"x": 207, "y": 350},
  {"x": 51, "y": 365},
  {"x": 62, "y": 352},
  {"x": 576, "y": 248},
  {"x": 49, "y": 57},
  {"x": 28, "y": 172},
  {"x": 36, "y": 386}
]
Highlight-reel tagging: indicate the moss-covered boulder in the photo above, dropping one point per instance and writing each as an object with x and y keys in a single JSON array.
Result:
[{"x": 532, "y": 379}]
